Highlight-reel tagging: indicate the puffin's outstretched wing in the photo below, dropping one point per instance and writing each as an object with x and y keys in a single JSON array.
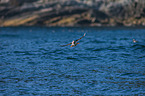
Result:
[
  {"x": 80, "y": 38},
  {"x": 74, "y": 41},
  {"x": 65, "y": 45}
]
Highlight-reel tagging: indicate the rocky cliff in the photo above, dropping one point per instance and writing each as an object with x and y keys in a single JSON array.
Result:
[{"x": 72, "y": 12}]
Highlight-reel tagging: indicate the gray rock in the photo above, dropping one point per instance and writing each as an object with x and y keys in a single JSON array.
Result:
[{"x": 72, "y": 12}]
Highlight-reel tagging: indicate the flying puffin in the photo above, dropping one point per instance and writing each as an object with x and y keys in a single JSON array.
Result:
[{"x": 74, "y": 42}]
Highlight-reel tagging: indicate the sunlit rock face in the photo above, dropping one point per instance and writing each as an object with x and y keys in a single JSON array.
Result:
[{"x": 72, "y": 12}]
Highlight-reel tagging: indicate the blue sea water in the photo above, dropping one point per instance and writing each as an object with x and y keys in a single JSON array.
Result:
[{"x": 106, "y": 62}]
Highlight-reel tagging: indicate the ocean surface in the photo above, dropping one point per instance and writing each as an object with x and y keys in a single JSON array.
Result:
[{"x": 106, "y": 62}]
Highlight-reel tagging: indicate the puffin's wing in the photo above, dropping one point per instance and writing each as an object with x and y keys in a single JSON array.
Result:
[
  {"x": 65, "y": 45},
  {"x": 80, "y": 38}
]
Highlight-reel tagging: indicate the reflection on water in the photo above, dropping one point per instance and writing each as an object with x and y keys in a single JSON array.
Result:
[{"x": 106, "y": 62}]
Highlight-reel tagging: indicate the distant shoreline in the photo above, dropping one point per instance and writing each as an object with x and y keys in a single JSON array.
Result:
[
  {"x": 72, "y": 13},
  {"x": 84, "y": 27}
]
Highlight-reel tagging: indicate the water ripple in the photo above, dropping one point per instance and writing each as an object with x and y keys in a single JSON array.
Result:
[{"x": 106, "y": 62}]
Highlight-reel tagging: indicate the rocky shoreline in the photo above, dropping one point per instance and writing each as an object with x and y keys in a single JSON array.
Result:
[{"x": 72, "y": 13}]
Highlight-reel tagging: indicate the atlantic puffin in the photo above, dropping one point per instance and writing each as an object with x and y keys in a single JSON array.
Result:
[
  {"x": 134, "y": 41},
  {"x": 74, "y": 42}
]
